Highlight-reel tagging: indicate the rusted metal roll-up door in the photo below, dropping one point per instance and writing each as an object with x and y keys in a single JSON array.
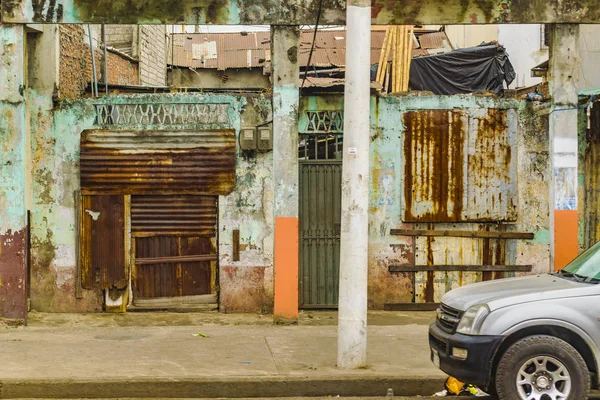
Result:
[
  {"x": 174, "y": 246},
  {"x": 148, "y": 162},
  {"x": 164, "y": 186}
]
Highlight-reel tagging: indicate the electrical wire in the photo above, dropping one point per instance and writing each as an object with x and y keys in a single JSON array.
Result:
[{"x": 312, "y": 47}]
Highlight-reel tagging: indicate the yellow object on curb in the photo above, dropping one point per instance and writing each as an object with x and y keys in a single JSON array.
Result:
[{"x": 454, "y": 386}]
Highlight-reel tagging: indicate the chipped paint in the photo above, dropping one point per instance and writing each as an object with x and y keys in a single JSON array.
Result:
[
  {"x": 387, "y": 191},
  {"x": 247, "y": 284},
  {"x": 299, "y": 12},
  {"x": 13, "y": 211},
  {"x": 589, "y": 187},
  {"x": 55, "y": 157}
]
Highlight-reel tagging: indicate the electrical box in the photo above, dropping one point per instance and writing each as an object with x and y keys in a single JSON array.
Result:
[
  {"x": 248, "y": 139},
  {"x": 265, "y": 138}
]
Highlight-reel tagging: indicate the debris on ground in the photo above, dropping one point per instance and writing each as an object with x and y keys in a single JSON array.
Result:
[{"x": 454, "y": 387}]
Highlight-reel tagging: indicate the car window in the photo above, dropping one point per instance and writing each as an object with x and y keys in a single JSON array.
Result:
[{"x": 587, "y": 264}]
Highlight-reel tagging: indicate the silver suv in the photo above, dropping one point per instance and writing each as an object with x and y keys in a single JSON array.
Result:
[{"x": 535, "y": 337}]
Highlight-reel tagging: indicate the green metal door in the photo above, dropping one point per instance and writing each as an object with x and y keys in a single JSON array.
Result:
[{"x": 320, "y": 214}]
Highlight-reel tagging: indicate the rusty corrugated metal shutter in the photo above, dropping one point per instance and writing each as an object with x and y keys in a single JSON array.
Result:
[
  {"x": 147, "y": 162},
  {"x": 434, "y": 165},
  {"x": 174, "y": 215},
  {"x": 460, "y": 165}
]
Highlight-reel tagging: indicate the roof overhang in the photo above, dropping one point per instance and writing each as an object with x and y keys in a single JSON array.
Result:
[{"x": 297, "y": 12}]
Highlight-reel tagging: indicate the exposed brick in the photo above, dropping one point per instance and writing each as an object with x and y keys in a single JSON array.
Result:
[{"x": 76, "y": 64}]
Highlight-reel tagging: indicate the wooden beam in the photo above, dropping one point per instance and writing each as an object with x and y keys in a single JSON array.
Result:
[
  {"x": 411, "y": 306},
  {"x": 236, "y": 245},
  {"x": 465, "y": 234},
  {"x": 464, "y": 268},
  {"x": 383, "y": 57},
  {"x": 175, "y": 260}
]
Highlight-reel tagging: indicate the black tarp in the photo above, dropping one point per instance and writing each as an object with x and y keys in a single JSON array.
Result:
[{"x": 473, "y": 70}]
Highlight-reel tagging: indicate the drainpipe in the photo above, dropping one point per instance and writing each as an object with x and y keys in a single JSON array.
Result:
[
  {"x": 105, "y": 72},
  {"x": 95, "y": 86},
  {"x": 352, "y": 323}
]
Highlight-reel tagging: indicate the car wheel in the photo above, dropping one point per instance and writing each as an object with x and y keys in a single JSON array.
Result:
[{"x": 542, "y": 368}]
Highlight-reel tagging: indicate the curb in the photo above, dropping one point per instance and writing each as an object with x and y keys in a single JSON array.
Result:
[{"x": 239, "y": 387}]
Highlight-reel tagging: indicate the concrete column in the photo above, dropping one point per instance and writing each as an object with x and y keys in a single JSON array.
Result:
[
  {"x": 565, "y": 65},
  {"x": 13, "y": 209},
  {"x": 352, "y": 325},
  {"x": 285, "y": 41}
]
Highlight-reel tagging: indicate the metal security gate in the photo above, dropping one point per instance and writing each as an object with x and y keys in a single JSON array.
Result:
[{"x": 320, "y": 215}]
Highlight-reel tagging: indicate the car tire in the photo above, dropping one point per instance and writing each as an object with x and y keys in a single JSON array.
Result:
[{"x": 537, "y": 361}]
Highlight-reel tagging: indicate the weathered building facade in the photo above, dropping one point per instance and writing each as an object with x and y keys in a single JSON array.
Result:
[
  {"x": 75, "y": 147},
  {"x": 474, "y": 168},
  {"x": 481, "y": 182}
]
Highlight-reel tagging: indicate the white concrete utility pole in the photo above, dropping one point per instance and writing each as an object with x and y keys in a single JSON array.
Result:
[{"x": 352, "y": 325}]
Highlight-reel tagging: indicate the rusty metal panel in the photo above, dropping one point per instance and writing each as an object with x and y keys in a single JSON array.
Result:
[
  {"x": 491, "y": 190},
  {"x": 144, "y": 162},
  {"x": 103, "y": 242},
  {"x": 459, "y": 166},
  {"x": 591, "y": 171},
  {"x": 174, "y": 215},
  {"x": 434, "y": 162}
]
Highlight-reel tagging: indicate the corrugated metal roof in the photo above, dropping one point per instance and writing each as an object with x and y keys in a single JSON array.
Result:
[
  {"x": 434, "y": 40},
  {"x": 252, "y": 50}
]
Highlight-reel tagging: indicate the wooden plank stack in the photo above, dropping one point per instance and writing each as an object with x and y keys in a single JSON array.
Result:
[{"x": 399, "y": 41}]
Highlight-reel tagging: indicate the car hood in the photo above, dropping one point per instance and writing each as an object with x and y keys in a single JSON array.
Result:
[{"x": 506, "y": 292}]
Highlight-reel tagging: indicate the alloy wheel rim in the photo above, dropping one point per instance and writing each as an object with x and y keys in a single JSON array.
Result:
[{"x": 543, "y": 378}]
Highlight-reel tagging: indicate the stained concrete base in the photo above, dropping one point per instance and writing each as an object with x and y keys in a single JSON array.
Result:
[{"x": 209, "y": 355}]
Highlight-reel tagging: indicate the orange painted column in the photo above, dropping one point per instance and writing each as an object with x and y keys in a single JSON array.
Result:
[
  {"x": 286, "y": 269},
  {"x": 566, "y": 246}
]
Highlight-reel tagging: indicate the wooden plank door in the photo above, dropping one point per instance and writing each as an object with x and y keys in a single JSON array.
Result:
[{"x": 102, "y": 242}]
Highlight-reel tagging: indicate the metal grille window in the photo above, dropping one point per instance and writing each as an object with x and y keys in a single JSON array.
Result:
[
  {"x": 320, "y": 147},
  {"x": 325, "y": 121}
]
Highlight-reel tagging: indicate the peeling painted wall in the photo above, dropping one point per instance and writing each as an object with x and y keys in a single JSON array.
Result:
[
  {"x": 247, "y": 285},
  {"x": 387, "y": 190},
  {"x": 532, "y": 208},
  {"x": 13, "y": 209},
  {"x": 56, "y": 132},
  {"x": 299, "y": 12}
]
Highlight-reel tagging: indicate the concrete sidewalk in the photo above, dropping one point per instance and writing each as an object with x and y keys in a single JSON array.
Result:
[{"x": 209, "y": 355}]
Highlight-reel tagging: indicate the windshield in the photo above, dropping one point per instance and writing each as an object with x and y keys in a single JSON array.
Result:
[{"x": 586, "y": 266}]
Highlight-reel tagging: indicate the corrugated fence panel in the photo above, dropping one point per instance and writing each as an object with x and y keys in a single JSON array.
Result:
[
  {"x": 460, "y": 166},
  {"x": 174, "y": 215},
  {"x": 144, "y": 162},
  {"x": 491, "y": 188},
  {"x": 434, "y": 165}
]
